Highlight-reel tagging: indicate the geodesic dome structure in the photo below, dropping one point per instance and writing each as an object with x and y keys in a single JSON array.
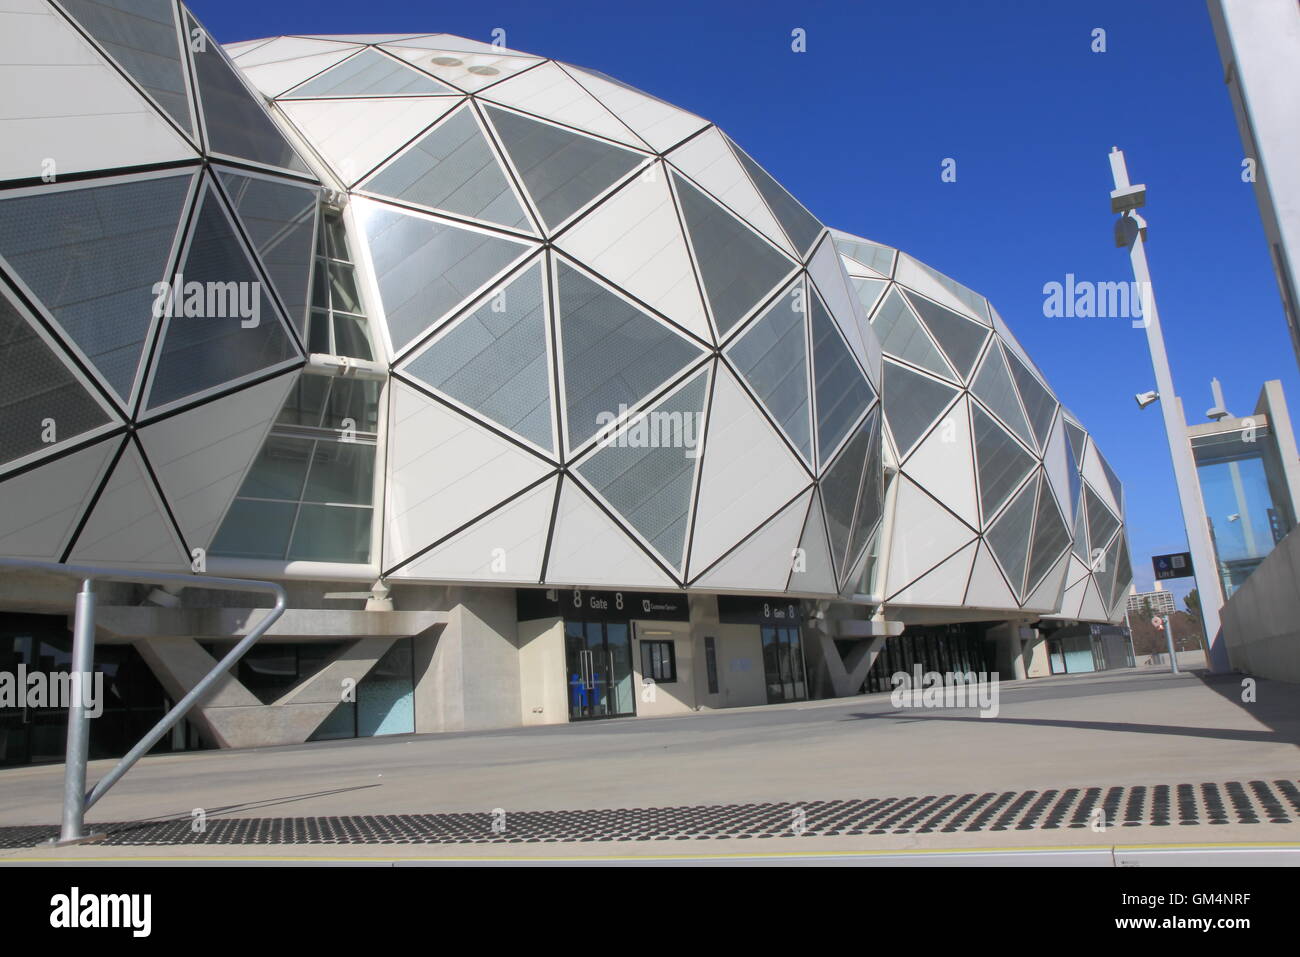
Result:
[
  {"x": 516, "y": 323},
  {"x": 1002, "y": 501}
]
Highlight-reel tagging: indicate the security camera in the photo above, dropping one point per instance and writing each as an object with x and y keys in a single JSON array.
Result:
[{"x": 1144, "y": 399}]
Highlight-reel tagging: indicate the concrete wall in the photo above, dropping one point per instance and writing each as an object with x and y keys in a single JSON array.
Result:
[
  {"x": 740, "y": 668},
  {"x": 543, "y": 684},
  {"x": 467, "y": 678},
  {"x": 1261, "y": 622}
]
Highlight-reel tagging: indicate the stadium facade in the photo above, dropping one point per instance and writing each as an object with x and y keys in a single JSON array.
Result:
[{"x": 544, "y": 400}]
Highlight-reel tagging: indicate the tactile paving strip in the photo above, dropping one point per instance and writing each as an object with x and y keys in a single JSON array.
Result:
[{"x": 1162, "y": 805}]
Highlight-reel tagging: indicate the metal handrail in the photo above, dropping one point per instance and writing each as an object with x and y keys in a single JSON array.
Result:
[{"x": 76, "y": 801}]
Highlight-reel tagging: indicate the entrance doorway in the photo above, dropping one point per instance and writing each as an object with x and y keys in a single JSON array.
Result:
[
  {"x": 598, "y": 665},
  {"x": 783, "y": 664}
]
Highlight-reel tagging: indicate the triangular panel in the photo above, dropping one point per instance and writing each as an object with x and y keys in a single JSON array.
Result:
[
  {"x": 236, "y": 124},
  {"x": 129, "y": 526},
  {"x": 588, "y": 548},
  {"x": 493, "y": 359},
  {"x": 841, "y": 488},
  {"x": 815, "y": 573},
  {"x": 654, "y": 121},
  {"x": 993, "y": 387},
  {"x": 772, "y": 355},
  {"x": 39, "y": 508},
  {"x": 1051, "y": 540},
  {"x": 826, "y": 271},
  {"x": 842, "y": 390},
  {"x": 507, "y": 545},
  {"x": 425, "y": 268},
  {"x": 763, "y": 561},
  {"x": 709, "y": 161},
  {"x": 988, "y": 589},
  {"x": 547, "y": 91},
  {"x": 960, "y": 338},
  {"x": 931, "y": 535},
  {"x": 913, "y": 403},
  {"x": 370, "y": 73},
  {"x": 1038, "y": 402},
  {"x": 646, "y": 470},
  {"x": 223, "y": 343},
  {"x": 942, "y": 464},
  {"x": 1101, "y": 522},
  {"x": 64, "y": 109},
  {"x": 868, "y": 292},
  {"x": 738, "y": 268},
  {"x": 452, "y": 168},
  {"x": 1002, "y": 463},
  {"x": 614, "y": 354},
  {"x": 91, "y": 256},
  {"x": 280, "y": 218},
  {"x": 944, "y": 585},
  {"x": 355, "y": 136},
  {"x": 563, "y": 171},
  {"x": 800, "y": 225},
  {"x": 463, "y": 69},
  {"x": 740, "y": 445},
  {"x": 902, "y": 336},
  {"x": 634, "y": 239},
  {"x": 1009, "y": 537},
  {"x": 40, "y": 397},
  {"x": 445, "y": 470},
  {"x": 141, "y": 36}
]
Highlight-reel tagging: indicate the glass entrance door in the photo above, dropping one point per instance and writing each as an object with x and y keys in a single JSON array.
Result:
[
  {"x": 598, "y": 660},
  {"x": 783, "y": 664}
]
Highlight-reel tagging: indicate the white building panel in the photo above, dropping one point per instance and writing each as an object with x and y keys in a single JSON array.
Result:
[
  {"x": 764, "y": 561},
  {"x": 39, "y": 509},
  {"x": 943, "y": 464},
  {"x": 748, "y": 472},
  {"x": 549, "y": 92},
  {"x": 654, "y": 121},
  {"x": 589, "y": 549},
  {"x": 925, "y": 534},
  {"x": 129, "y": 526}
]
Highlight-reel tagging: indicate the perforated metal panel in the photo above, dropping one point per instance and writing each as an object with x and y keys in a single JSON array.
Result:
[
  {"x": 494, "y": 359},
  {"x": 614, "y": 354},
  {"x": 562, "y": 171},
  {"x": 999, "y": 460},
  {"x": 650, "y": 486},
  {"x": 92, "y": 257},
  {"x": 842, "y": 391},
  {"x": 739, "y": 269},
  {"x": 141, "y": 36},
  {"x": 913, "y": 403},
  {"x": 370, "y": 73},
  {"x": 452, "y": 168},
  {"x": 772, "y": 355}
]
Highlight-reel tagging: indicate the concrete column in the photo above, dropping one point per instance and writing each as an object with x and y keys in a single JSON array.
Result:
[{"x": 467, "y": 678}]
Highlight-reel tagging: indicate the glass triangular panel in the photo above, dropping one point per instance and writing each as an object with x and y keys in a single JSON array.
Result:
[
  {"x": 494, "y": 359},
  {"x": 141, "y": 36},
  {"x": 38, "y": 390},
  {"x": 800, "y": 225},
  {"x": 871, "y": 497},
  {"x": 960, "y": 338},
  {"x": 223, "y": 326},
  {"x": 562, "y": 171},
  {"x": 842, "y": 391},
  {"x": 739, "y": 269},
  {"x": 280, "y": 219},
  {"x": 993, "y": 386},
  {"x": 425, "y": 268},
  {"x": 650, "y": 483},
  {"x": 1101, "y": 523},
  {"x": 1038, "y": 402},
  {"x": 1009, "y": 537},
  {"x": 913, "y": 403},
  {"x": 1002, "y": 463},
  {"x": 840, "y": 490},
  {"x": 1051, "y": 538},
  {"x": 772, "y": 355},
  {"x": 868, "y": 292},
  {"x": 371, "y": 73},
  {"x": 236, "y": 123},
  {"x": 92, "y": 257},
  {"x": 615, "y": 355},
  {"x": 452, "y": 168},
  {"x": 901, "y": 336}
]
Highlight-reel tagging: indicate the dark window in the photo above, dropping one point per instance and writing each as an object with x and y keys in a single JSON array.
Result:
[
  {"x": 658, "y": 661},
  {"x": 711, "y": 662}
]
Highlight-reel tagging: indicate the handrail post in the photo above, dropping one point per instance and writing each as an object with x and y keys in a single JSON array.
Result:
[{"x": 80, "y": 687}]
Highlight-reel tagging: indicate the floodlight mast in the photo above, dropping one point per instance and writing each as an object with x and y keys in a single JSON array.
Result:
[{"x": 1131, "y": 231}]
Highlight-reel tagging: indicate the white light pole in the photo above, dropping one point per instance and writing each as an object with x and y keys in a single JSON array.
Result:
[{"x": 1131, "y": 232}]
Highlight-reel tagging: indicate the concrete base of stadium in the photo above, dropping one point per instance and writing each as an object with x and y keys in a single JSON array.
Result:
[{"x": 422, "y": 658}]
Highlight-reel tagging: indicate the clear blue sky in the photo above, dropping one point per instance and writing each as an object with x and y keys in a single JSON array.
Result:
[{"x": 858, "y": 125}]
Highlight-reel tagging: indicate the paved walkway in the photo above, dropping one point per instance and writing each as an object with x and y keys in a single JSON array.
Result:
[{"x": 1116, "y": 730}]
